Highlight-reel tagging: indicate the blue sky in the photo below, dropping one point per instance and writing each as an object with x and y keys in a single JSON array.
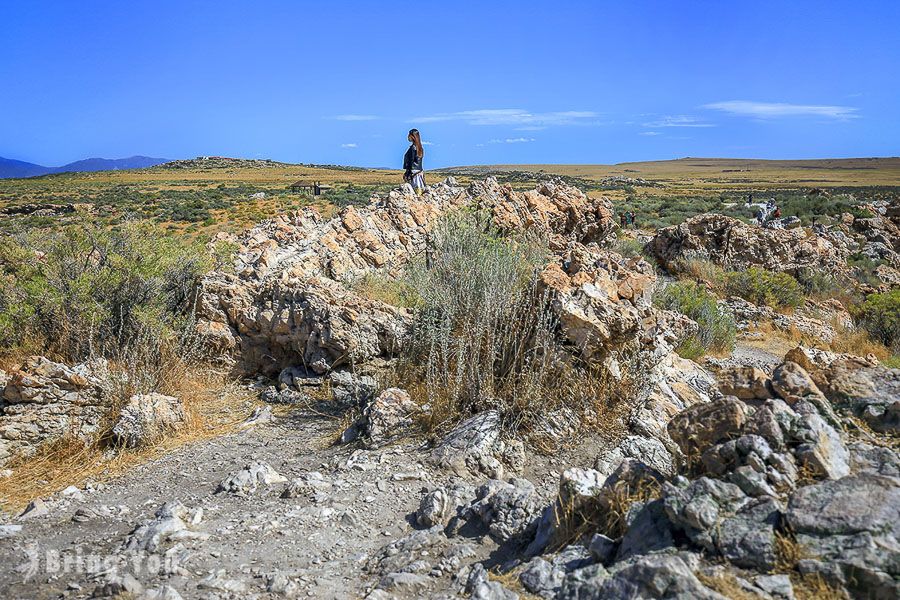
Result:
[{"x": 485, "y": 82}]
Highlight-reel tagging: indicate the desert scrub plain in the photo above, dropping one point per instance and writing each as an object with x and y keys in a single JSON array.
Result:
[{"x": 491, "y": 391}]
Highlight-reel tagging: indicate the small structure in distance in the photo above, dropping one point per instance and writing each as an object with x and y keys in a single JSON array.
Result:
[{"x": 309, "y": 187}]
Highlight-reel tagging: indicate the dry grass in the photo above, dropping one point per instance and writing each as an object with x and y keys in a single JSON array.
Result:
[
  {"x": 702, "y": 270},
  {"x": 600, "y": 514},
  {"x": 726, "y": 584},
  {"x": 213, "y": 407},
  {"x": 378, "y": 286},
  {"x": 813, "y": 587},
  {"x": 859, "y": 343},
  {"x": 788, "y": 553}
]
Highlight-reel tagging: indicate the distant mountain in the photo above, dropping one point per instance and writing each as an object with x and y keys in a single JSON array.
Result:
[
  {"x": 10, "y": 168},
  {"x": 18, "y": 168}
]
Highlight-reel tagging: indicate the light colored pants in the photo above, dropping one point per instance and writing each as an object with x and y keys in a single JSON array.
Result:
[{"x": 418, "y": 183}]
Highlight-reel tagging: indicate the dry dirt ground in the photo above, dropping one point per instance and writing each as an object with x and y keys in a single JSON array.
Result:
[{"x": 320, "y": 540}]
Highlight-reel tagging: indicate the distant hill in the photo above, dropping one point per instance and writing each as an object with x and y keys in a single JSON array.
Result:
[{"x": 10, "y": 168}]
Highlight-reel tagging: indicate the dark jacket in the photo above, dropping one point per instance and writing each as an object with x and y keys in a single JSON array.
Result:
[{"x": 412, "y": 162}]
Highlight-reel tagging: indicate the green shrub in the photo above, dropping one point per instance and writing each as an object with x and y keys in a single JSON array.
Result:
[
  {"x": 628, "y": 247},
  {"x": 865, "y": 269},
  {"x": 756, "y": 285},
  {"x": 89, "y": 292},
  {"x": 716, "y": 327},
  {"x": 483, "y": 334},
  {"x": 880, "y": 316}
]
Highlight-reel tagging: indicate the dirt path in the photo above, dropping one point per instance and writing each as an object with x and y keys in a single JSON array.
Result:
[{"x": 319, "y": 541}]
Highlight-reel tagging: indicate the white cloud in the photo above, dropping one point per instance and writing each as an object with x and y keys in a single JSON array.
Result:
[
  {"x": 354, "y": 117},
  {"x": 650, "y": 133},
  {"x": 351, "y": 145},
  {"x": 511, "y": 141},
  {"x": 514, "y": 116},
  {"x": 679, "y": 121},
  {"x": 427, "y": 144},
  {"x": 765, "y": 110}
]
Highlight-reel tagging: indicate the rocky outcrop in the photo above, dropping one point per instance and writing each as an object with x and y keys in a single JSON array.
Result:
[
  {"x": 730, "y": 242},
  {"x": 288, "y": 304},
  {"x": 42, "y": 401}
]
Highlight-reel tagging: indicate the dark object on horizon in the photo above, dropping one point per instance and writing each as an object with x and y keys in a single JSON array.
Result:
[
  {"x": 309, "y": 187},
  {"x": 16, "y": 168}
]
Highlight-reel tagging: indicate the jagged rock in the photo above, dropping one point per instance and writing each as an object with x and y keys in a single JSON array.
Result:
[
  {"x": 492, "y": 590},
  {"x": 777, "y": 586},
  {"x": 350, "y": 389},
  {"x": 675, "y": 383},
  {"x": 309, "y": 484},
  {"x": 821, "y": 447},
  {"x": 875, "y": 460},
  {"x": 147, "y": 417},
  {"x": 43, "y": 400},
  {"x": 165, "y": 592},
  {"x": 602, "y": 548},
  {"x": 601, "y": 300},
  {"x": 384, "y": 419},
  {"x": 395, "y": 555},
  {"x": 811, "y": 319},
  {"x": 171, "y": 521},
  {"x": 814, "y": 359},
  {"x": 508, "y": 509},
  {"x": 116, "y": 585},
  {"x": 746, "y": 383},
  {"x": 718, "y": 517},
  {"x": 469, "y": 447},
  {"x": 870, "y": 393},
  {"x": 321, "y": 324},
  {"x": 700, "y": 426},
  {"x": 728, "y": 241},
  {"x": 649, "y": 530},
  {"x": 35, "y": 508},
  {"x": 647, "y": 450},
  {"x": 747, "y": 539},
  {"x": 699, "y": 507},
  {"x": 540, "y": 578},
  {"x": 545, "y": 578},
  {"x": 660, "y": 576},
  {"x": 439, "y": 506},
  {"x": 246, "y": 481},
  {"x": 790, "y": 380},
  {"x": 850, "y": 524},
  {"x": 272, "y": 395}
]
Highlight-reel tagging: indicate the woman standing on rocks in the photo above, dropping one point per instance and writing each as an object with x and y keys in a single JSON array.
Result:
[{"x": 412, "y": 162}]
